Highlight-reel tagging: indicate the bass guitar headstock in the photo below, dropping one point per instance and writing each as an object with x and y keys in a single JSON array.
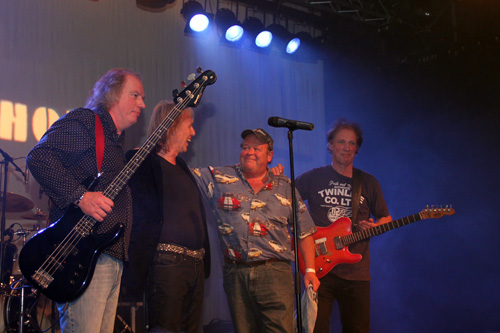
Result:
[
  {"x": 435, "y": 212},
  {"x": 191, "y": 95}
]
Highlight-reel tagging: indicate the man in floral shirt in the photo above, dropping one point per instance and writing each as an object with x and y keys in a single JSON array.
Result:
[{"x": 253, "y": 210}]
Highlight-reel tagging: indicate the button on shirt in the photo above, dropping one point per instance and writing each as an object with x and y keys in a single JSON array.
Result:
[
  {"x": 66, "y": 156},
  {"x": 253, "y": 226}
]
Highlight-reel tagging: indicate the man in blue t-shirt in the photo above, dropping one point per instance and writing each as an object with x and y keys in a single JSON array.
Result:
[{"x": 329, "y": 192}]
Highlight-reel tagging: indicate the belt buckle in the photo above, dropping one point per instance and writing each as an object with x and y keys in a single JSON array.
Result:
[{"x": 198, "y": 254}]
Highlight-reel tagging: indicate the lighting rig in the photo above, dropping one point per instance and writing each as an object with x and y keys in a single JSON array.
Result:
[{"x": 251, "y": 31}]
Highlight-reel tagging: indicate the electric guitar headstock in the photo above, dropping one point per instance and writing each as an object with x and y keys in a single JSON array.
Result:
[
  {"x": 191, "y": 95},
  {"x": 435, "y": 212}
]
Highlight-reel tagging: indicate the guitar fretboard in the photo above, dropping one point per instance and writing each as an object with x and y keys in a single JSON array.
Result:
[
  {"x": 131, "y": 167},
  {"x": 379, "y": 229}
]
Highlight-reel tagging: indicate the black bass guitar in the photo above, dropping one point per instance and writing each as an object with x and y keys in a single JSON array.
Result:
[{"x": 60, "y": 260}]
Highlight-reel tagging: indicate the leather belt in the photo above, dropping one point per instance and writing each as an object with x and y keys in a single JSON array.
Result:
[
  {"x": 196, "y": 254},
  {"x": 253, "y": 263}
]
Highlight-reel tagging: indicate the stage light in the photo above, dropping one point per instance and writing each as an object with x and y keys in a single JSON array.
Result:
[
  {"x": 293, "y": 45},
  {"x": 231, "y": 28},
  {"x": 303, "y": 39},
  {"x": 197, "y": 19},
  {"x": 264, "y": 39},
  {"x": 305, "y": 46},
  {"x": 234, "y": 33},
  {"x": 254, "y": 29},
  {"x": 199, "y": 22},
  {"x": 300, "y": 40}
]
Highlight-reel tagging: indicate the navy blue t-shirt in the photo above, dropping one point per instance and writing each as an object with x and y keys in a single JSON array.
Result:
[{"x": 329, "y": 195}]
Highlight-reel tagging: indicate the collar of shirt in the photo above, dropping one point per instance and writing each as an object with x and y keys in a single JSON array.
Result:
[
  {"x": 270, "y": 176},
  {"x": 109, "y": 125}
]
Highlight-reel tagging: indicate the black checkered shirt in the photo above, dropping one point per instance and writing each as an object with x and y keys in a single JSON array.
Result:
[{"x": 66, "y": 156}]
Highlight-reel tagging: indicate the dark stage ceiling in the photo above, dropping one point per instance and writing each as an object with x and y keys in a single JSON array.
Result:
[
  {"x": 387, "y": 32},
  {"x": 405, "y": 30}
]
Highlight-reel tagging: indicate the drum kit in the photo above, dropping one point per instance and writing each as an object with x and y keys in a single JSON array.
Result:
[{"x": 19, "y": 302}]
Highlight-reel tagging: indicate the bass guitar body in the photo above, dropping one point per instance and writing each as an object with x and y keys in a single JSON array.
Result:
[{"x": 59, "y": 261}]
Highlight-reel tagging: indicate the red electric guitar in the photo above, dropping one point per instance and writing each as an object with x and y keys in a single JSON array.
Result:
[{"x": 331, "y": 243}]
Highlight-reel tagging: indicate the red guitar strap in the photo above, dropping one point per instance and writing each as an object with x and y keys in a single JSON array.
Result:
[
  {"x": 356, "y": 195},
  {"x": 99, "y": 142}
]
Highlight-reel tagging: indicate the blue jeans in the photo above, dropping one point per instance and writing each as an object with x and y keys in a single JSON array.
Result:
[
  {"x": 95, "y": 310},
  {"x": 260, "y": 298},
  {"x": 175, "y": 293}
]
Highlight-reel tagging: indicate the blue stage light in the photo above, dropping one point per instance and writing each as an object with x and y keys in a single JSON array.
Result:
[
  {"x": 199, "y": 22},
  {"x": 196, "y": 17},
  {"x": 256, "y": 33},
  {"x": 293, "y": 45},
  {"x": 234, "y": 33},
  {"x": 229, "y": 26},
  {"x": 264, "y": 39}
]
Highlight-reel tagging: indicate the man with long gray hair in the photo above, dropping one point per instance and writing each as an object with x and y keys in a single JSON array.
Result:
[{"x": 64, "y": 158}]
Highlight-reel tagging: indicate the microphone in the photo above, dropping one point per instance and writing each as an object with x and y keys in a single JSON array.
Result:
[{"x": 291, "y": 124}]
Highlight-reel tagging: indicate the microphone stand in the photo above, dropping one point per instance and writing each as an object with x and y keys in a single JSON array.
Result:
[
  {"x": 7, "y": 160},
  {"x": 2, "y": 223},
  {"x": 295, "y": 234}
]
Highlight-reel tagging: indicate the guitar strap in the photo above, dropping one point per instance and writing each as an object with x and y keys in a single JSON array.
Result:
[
  {"x": 356, "y": 195},
  {"x": 99, "y": 141}
]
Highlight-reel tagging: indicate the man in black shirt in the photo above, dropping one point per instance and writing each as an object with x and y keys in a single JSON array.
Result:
[
  {"x": 169, "y": 246},
  {"x": 64, "y": 158}
]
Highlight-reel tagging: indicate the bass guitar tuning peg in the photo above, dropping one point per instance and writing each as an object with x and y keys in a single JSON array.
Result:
[
  {"x": 175, "y": 93},
  {"x": 191, "y": 77},
  {"x": 199, "y": 70},
  {"x": 183, "y": 84}
]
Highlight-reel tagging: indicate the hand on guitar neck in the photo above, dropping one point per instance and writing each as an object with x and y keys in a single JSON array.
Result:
[
  {"x": 95, "y": 205},
  {"x": 364, "y": 225}
]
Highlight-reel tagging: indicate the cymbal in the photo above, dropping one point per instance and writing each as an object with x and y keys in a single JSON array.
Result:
[{"x": 16, "y": 203}]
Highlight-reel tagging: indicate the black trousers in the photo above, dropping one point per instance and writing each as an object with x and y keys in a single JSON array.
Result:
[
  {"x": 353, "y": 298},
  {"x": 175, "y": 293}
]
